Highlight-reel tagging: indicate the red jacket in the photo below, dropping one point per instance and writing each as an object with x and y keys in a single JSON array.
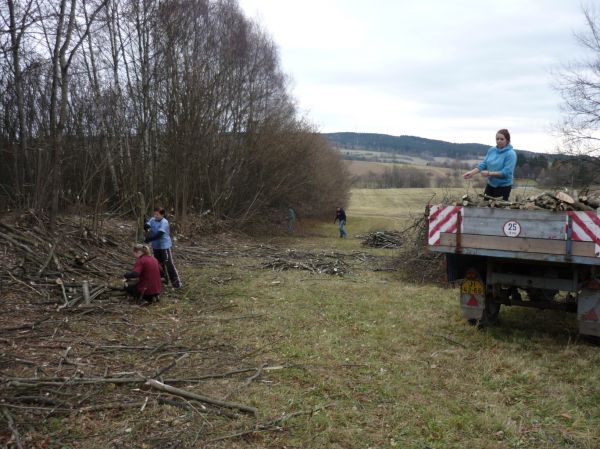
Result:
[{"x": 149, "y": 280}]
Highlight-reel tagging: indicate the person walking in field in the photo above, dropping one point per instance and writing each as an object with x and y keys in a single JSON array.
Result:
[
  {"x": 291, "y": 220},
  {"x": 498, "y": 167},
  {"x": 340, "y": 216},
  {"x": 143, "y": 281},
  {"x": 158, "y": 235}
]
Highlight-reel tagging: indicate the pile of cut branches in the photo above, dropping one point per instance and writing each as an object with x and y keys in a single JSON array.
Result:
[
  {"x": 383, "y": 239},
  {"x": 71, "y": 263},
  {"x": 554, "y": 201},
  {"x": 415, "y": 261},
  {"x": 315, "y": 263},
  {"x": 278, "y": 259}
]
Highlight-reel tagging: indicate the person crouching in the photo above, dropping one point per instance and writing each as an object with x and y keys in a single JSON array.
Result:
[{"x": 144, "y": 281}]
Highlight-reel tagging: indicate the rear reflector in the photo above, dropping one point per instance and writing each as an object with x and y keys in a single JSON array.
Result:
[
  {"x": 591, "y": 316},
  {"x": 472, "y": 301}
]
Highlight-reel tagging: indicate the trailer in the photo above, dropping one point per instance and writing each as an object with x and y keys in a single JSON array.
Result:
[{"x": 514, "y": 257}]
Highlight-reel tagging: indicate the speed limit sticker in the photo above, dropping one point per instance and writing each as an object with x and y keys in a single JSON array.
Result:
[{"x": 512, "y": 228}]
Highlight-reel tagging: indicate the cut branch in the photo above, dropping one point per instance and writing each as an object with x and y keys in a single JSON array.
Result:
[{"x": 197, "y": 397}]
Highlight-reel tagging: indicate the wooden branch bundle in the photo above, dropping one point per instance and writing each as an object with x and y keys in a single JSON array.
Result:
[{"x": 383, "y": 239}]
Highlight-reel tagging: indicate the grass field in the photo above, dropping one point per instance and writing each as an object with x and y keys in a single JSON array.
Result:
[
  {"x": 361, "y": 168},
  {"x": 377, "y": 156},
  {"x": 376, "y": 209},
  {"x": 367, "y": 360},
  {"x": 389, "y": 364}
]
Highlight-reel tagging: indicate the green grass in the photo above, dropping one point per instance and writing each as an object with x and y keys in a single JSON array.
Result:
[
  {"x": 376, "y": 209},
  {"x": 398, "y": 367}
]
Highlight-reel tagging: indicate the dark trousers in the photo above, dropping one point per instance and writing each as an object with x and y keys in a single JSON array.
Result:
[
  {"x": 132, "y": 290},
  {"x": 498, "y": 192},
  {"x": 165, "y": 258}
]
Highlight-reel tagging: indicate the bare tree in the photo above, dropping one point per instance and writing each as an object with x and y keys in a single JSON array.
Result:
[
  {"x": 579, "y": 84},
  {"x": 183, "y": 101}
]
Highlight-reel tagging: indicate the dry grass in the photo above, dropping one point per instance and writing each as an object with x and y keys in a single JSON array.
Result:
[
  {"x": 359, "y": 168},
  {"x": 369, "y": 360}
]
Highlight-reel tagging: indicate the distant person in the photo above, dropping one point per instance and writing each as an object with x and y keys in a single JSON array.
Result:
[
  {"x": 144, "y": 280},
  {"x": 291, "y": 220},
  {"x": 158, "y": 234},
  {"x": 340, "y": 216},
  {"x": 498, "y": 167}
]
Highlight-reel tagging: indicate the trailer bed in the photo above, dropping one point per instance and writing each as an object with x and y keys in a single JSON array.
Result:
[{"x": 540, "y": 235}]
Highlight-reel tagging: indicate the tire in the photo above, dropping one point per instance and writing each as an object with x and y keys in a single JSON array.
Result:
[
  {"x": 591, "y": 339},
  {"x": 490, "y": 313}
]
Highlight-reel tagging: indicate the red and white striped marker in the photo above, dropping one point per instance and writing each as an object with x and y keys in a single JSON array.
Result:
[
  {"x": 586, "y": 228},
  {"x": 442, "y": 219}
]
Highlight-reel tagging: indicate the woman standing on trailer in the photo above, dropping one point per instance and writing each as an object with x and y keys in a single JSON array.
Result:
[{"x": 498, "y": 167}]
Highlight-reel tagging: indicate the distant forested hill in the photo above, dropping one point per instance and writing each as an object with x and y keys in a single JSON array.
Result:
[{"x": 408, "y": 145}]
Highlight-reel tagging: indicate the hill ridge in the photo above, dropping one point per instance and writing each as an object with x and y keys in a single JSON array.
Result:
[{"x": 410, "y": 145}]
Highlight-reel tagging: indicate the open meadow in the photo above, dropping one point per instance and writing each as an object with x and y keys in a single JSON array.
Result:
[{"x": 369, "y": 359}]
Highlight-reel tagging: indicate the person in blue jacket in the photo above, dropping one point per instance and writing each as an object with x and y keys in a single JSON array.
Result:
[
  {"x": 158, "y": 235},
  {"x": 498, "y": 167}
]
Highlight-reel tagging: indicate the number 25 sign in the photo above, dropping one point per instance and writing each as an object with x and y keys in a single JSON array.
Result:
[{"x": 512, "y": 228}]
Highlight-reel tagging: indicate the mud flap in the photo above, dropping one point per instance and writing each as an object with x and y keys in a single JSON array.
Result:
[
  {"x": 472, "y": 296},
  {"x": 588, "y": 312}
]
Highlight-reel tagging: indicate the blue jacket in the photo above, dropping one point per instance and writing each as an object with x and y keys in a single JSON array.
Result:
[
  {"x": 503, "y": 161},
  {"x": 159, "y": 233}
]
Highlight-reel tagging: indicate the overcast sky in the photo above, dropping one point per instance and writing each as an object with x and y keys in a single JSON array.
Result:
[{"x": 452, "y": 70}]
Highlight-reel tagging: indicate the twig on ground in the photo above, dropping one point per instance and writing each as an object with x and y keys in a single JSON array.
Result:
[
  {"x": 64, "y": 294},
  {"x": 13, "y": 427},
  {"x": 25, "y": 284},
  {"x": 256, "y": 375},
  {"x": 48, "y": 259},
  {"x": 269, "y": 425},
  {"x": 449, "y": 340},
  {"x": 171, "y": 365}
]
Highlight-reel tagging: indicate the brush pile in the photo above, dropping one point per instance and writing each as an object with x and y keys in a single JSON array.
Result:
[
  {"x": 383, "y": 239},
  {"x": 415, "y": 261},
  {"x": 323, "y": 263},
  {"x": 72, "y": 263},
  {"x": 558, "y": 201}
]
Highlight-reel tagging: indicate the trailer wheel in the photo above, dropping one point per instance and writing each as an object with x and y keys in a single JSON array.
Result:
[
  {"x": 490, "y": 313},
  {"x": 591, "y": 339}
]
